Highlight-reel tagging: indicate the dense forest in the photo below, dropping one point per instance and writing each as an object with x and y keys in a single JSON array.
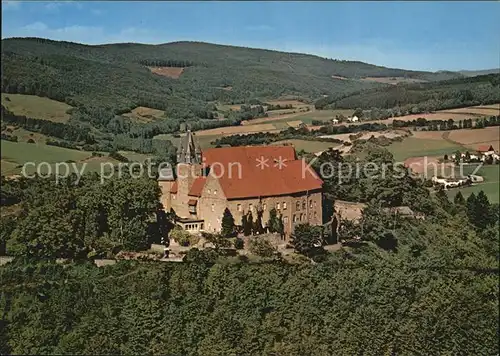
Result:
[
  {"x": 205, "y": 307},
  {"x": 114, "y": 77}
]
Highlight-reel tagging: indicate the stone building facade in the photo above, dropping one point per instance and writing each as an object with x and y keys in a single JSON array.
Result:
[{"x": 241, "y": 179}]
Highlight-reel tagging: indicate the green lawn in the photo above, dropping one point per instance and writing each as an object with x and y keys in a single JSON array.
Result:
[
  {"x": 21, "y": 152},
  {"x": 490, "y": 186},
  {"x": 308, "y": 117},
  {"x": 416, "y": 147},
  {"x": 322, "y": 115},
  {"x": 134, "y": 156},
  {"x": 36, "y": 107},
  {"x": 15, "y": 154}
]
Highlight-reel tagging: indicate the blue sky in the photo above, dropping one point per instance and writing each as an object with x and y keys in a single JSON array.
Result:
[{"x": 412, "y": 35}]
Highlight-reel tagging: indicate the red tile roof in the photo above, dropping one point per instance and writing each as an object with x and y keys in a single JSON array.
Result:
[
  {"x": 485, "y": 148},
  {"x": 260, "y": 171},
  {"x": 174, "y": 188},
  {"x": 197, "y": 187}
]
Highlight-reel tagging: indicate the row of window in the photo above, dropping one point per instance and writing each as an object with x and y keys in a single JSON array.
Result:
[
  {"x": 302, "y": 217},
  {"x": 298, "y": 203},
  {"x": 192, "y": 208},
  {"x": 194, "y": 227}
]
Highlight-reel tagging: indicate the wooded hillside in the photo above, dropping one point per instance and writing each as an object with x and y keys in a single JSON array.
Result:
[{"x": 116, "y": 76}]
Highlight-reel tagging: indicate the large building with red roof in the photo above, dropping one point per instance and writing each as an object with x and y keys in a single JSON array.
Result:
[{"x": 243, "y": 179}]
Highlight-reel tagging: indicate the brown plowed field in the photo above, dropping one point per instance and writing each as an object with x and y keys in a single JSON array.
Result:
[
  {"x": 477, "y": 137},
  {"x": 392, "y": 80},
  {"x": 171, "y": 72},
  {"x": 234, "y": 130}
]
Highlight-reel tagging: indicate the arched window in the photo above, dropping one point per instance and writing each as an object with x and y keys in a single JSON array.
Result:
[
  {"x": 303, "y": 205},
  {"x": 297, "y": 205}
]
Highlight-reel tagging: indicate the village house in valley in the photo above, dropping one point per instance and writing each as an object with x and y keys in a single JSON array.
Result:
[{"x": 242, "y": 179}]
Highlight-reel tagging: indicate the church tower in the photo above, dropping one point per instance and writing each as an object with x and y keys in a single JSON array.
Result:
[
  {"x": 189, "y": 167},
  {"x": 188, "y": 151}
]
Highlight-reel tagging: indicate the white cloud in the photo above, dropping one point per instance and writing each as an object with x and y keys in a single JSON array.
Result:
[
  {"x": 11, "y": 5},
  {"x": 36, "y": 26},
  {"x": 259, "y": 28},
  {"x": 97, "y": 12},
  {"x": 86, "y": 34},
  {"x": 75, "y": 33},
  {"x": 53, "y": 6}
]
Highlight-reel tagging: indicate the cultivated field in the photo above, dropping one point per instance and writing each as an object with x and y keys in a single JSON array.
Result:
[
  {"x": 368, "y": 134},
  {"x": 306, "y": 117},
  {"x": 487, "y": 110},
  {"x": 36, "y": 107},
  {"x": 234, "y": 130},
  {"x": 477, "y": 137},
  {"x": 461, "y": 114},
  {"x": 429, "y": 135},
  {"x": 282, "y": 102},
  {"x": 468, "y": 138},
  {"x": 393, "y": 80},
  {"x": 144, "y": 114},
  {"x": 171, "y": 72},
  {"x": 428, "y": 166},
  {"x": 416, "y": 147},
  {"x": 455, "y": 114}
]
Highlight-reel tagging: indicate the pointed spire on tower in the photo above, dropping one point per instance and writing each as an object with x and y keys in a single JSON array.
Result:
[{"x": 188, "y": 151}]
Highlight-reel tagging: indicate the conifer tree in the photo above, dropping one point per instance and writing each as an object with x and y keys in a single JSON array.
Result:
[
  {"x": 471, "y": 207},
  {"x": 272, "y": 223},
  {"x": 482, "y": 211},
  {"x": 247, "y": 227},
  {"x": 227, "y": 223},
  {"x": 257, "y": 227},
  {"x": 459, "y": 199}
]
